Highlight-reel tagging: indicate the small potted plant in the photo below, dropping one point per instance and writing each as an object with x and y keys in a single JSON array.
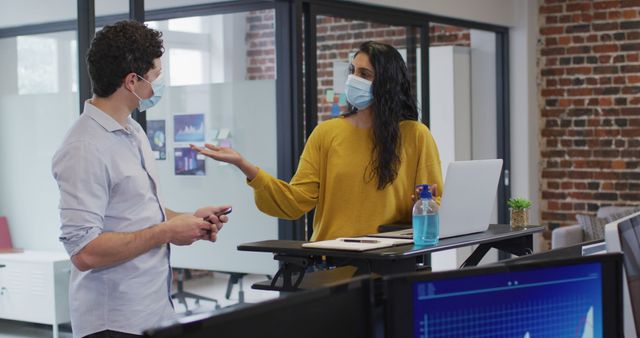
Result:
[{"x": 519, "y": 212}]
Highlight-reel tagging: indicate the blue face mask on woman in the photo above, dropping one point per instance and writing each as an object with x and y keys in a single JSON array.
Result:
[
  {"x": 358, "y": 91},
  {"x": 157, "y": 87}
]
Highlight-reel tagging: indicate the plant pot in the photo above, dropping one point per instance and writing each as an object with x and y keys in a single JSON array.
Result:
[{"x": 519, "y": 218}]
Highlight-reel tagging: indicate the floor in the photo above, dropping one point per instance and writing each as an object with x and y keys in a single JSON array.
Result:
[{"x": 212, "y": 287}]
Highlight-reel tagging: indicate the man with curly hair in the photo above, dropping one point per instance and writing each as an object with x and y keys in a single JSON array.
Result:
[{"x": 113, "y": 223}]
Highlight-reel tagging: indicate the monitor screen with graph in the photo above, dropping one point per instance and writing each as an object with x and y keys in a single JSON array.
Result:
[{"x": 577, "y": 297}]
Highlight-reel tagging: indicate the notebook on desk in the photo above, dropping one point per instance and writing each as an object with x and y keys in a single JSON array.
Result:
[
  {"x": 357, "y": 243},
  {"x": 467, "y": 200}
]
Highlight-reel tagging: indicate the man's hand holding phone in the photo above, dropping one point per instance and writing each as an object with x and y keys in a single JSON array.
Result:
[{"x": 217, "y": 216}]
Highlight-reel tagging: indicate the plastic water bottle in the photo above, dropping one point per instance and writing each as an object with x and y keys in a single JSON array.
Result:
[{"x": 426, "y": 221}]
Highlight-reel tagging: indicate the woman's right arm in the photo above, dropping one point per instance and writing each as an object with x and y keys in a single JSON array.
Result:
[{"x": 273, "y": 196}]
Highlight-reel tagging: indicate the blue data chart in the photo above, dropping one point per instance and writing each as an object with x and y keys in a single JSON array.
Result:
[{"x": 545, "y": 302}]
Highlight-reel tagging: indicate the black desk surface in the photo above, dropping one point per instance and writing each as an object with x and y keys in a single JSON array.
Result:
[{"x": 496, "y": 232}]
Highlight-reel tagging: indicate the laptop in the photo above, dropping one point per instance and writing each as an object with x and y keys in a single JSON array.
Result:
[{"x": 467, "y": 200}]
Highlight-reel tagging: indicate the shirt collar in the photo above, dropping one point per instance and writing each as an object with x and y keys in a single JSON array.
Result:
[{"x": 107, "y": 122}]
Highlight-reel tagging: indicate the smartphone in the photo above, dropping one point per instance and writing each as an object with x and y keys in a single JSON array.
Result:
[
  {"x": 220, "y": 213},
  {"x": 224, "y": 212}
]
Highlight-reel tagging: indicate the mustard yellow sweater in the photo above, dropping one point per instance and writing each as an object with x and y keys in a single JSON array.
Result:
[{"x": 333, "y": 176}]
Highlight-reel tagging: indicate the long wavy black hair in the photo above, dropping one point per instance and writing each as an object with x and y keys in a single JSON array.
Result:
[{"x": 392, "y": 103}]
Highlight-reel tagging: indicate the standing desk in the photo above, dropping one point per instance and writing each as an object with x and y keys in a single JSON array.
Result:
[{"x": 295, "y": 259}]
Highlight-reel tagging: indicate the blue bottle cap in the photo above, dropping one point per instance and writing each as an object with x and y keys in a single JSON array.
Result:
[{"x": 426, "y": 191}]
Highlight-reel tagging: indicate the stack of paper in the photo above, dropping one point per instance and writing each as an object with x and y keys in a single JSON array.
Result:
[{"x": 357, "y": 243}]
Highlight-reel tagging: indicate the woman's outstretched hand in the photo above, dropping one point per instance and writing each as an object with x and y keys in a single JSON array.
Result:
[
  {"x": 222, "y": 154},
  {"x": 228, "y": 155}
]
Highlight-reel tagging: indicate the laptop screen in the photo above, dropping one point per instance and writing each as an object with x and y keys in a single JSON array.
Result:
[{"x": 578, "y": 297}]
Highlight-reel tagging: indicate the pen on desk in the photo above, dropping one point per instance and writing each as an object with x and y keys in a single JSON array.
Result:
[{"x": 355, "y": 240}]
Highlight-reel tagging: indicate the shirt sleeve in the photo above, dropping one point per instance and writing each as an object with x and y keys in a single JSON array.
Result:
[
  {"x": 83, "y": 182},
  {"x": 429, "y": 166},
  {"x": 291, "y": 200}
]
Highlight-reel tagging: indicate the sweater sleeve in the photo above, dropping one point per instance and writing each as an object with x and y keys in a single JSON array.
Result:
[
  {"x": 429, "y": 166},
  {"x": 291, "y": 200}
]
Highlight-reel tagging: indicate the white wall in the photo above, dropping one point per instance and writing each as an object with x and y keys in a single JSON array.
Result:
[
  {"x": 450, "y": 122},
  {"x": 525, "y": 129},
  {"x": 450, "y": 102},
  {"x": 234, "y": 47},
  {"x": 483, "y": 98},
  {"x": 484, "y": 111}
]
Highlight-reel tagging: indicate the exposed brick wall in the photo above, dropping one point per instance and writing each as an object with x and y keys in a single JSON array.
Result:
[
  {"x": 589, "y": 105},
  {"x": 261, "y": 45},
  {"x": 444, "y": 35},
  {"x": 336, "y": 38}
]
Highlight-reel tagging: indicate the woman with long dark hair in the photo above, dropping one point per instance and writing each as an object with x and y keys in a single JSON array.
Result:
[{"x": 358, "y": 170}]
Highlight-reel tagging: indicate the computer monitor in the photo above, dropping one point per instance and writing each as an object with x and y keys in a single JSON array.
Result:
[
  {"x": 575, "y": 297},
  {"x": 339, "y": 311},
  {"x": 624, "y": 236}
]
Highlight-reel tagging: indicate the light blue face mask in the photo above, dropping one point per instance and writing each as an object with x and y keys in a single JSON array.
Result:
[
  {"x": 157, "y": 87},
  {"x": 358, "y": 92}
]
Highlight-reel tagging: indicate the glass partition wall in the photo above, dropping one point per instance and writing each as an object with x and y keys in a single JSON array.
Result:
[
  {"x": 38, "y": 103},
  {"x": 257, "y": 75},
  {"x": 220, "y": 77}
]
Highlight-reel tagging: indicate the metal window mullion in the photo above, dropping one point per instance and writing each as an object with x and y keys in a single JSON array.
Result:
[
  {"x": 424, "y": 79},
  {"x": 86, "y": 29},
  {"x": 503, "y": 121},
  {"x": 290, "y": 135}
]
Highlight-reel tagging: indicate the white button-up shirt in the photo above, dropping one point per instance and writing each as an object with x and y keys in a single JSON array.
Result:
[{"x": 107, "y": 180}]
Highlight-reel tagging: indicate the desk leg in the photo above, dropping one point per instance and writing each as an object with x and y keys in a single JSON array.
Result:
[
  {"x": 476, "y": 255},
  {"x": 518, "y": 246},
  {"x": 290, "y": 266},
  {"x": 55, "y": 330}
]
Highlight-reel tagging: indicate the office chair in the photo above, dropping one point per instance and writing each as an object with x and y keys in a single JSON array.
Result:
[
  {"x": 182, "y": 295},
  {"x": 235, "y": 278}
]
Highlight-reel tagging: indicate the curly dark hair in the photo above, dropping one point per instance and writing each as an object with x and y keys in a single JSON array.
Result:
[
  {"x": 392, "y": 103},
  {"x": 119, "y": 49}
]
